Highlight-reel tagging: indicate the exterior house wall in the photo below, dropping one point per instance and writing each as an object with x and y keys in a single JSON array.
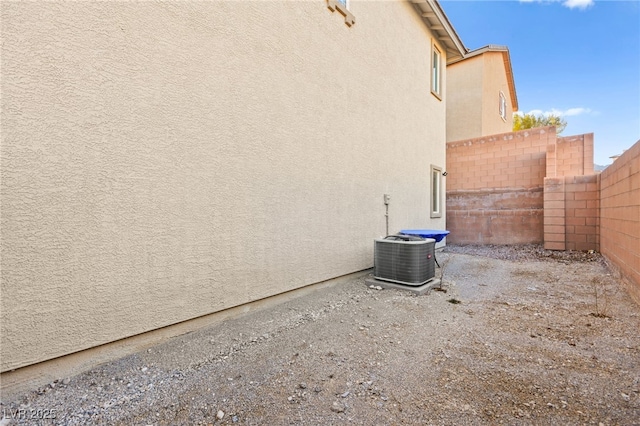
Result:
[
  {"x": 164, "y": 161},
  {"x": 473, "y": 100},
  {"x": 620, "y": 217},
  {"x": 494, "y": 82},
  {"x": 495, "y": 187},
  {"x": 464, "y": 99}
]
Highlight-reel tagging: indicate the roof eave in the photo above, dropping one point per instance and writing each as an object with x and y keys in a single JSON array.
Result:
[
  {"x": 510, "y": 79},
  {"x": 433, "y": 15},
  {"x": 506, "y": 58}
]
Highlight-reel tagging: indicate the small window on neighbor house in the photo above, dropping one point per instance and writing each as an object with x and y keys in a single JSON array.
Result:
[
  {"x": 503, "y": 107},
  {"x": 436, "y": 191},
  {"x": 436, "y": 72},
  {"x": 343, "y": 2}
]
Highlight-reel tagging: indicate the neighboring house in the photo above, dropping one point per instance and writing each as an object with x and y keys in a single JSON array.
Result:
[
  {"x": 163, "y": 161},
  {"x": 481, "y": 95}
]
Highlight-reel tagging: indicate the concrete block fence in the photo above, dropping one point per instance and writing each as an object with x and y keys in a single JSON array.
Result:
[{"x": 534, "y": 187}]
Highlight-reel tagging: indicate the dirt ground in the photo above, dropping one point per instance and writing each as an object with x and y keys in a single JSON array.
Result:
[{"x": 519, "y": 336}]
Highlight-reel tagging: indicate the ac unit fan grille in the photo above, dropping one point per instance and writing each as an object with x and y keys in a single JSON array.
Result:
[{"x": 404, "y": 262}]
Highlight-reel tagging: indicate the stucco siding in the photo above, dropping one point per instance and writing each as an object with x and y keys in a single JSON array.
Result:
[
  {"x": 495, "y": 81},
  {"x": 473, "y": 102},
  {"x": 464, "y": 99},
  {"x": 163, "y": 161}
]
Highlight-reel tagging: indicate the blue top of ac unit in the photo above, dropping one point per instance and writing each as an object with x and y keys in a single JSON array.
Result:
[{"x": 426, "y": 233}]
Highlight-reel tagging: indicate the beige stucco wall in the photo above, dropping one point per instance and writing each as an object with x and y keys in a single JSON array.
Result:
[
  {"x": 473, "y": 97},
  {"x": 162, "y": 161},
  {"x": 464, "y": 99},
  {"x": 494, "y": 82}
]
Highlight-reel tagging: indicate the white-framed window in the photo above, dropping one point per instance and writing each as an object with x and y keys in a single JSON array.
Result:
[
  {"x": 436, "y": 191},
  {"x": 436, "y": 71},
  {"x": 503, "y": 106},
  {"x": 345, "y": 3}
]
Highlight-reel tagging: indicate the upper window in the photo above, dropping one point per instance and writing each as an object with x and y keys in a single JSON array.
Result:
[
  {"x": 436, "y": 191},
  {"x": 503, "y": 106},
  {"x": 436, "y": 72}
]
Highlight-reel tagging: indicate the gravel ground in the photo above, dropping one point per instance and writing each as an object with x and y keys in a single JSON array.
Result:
[{"x": 518, "y": 335}]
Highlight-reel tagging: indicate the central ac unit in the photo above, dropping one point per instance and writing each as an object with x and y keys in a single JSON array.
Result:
[{"x": 404, "y": 259}]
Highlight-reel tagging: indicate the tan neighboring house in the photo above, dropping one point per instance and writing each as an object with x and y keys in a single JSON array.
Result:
[
  {"x": 162, "y": 162},
  {"x": 481, "y": 94}
]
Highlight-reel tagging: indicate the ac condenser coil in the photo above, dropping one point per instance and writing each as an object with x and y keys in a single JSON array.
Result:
[{"x": 404, "y": 259}]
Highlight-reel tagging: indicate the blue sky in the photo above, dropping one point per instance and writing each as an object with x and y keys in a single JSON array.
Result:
[{"x": 576, "y": 58}]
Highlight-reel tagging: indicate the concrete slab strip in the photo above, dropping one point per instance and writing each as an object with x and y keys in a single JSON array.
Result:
[{"x": 418, "y": 290}]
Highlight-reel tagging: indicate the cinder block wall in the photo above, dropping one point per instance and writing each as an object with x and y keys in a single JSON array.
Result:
[
  {"x": 620, "y": 216},
  {"x": 571, "y": 156},
  {"x": 495, "y": 187},
  {"x": 529, "y": 187},
  {"x": 582, "y": 205},
  {"x": 571, "y": 213},
  {"x": 554, "y": 213}
]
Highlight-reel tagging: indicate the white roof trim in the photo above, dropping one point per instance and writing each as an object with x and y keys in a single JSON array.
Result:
[
  {"x": 506, "y": 57},
  {"x": 437, "y": 21}
]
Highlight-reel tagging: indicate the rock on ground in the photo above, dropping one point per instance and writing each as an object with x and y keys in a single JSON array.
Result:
[{"x": 537, "y": 338}]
